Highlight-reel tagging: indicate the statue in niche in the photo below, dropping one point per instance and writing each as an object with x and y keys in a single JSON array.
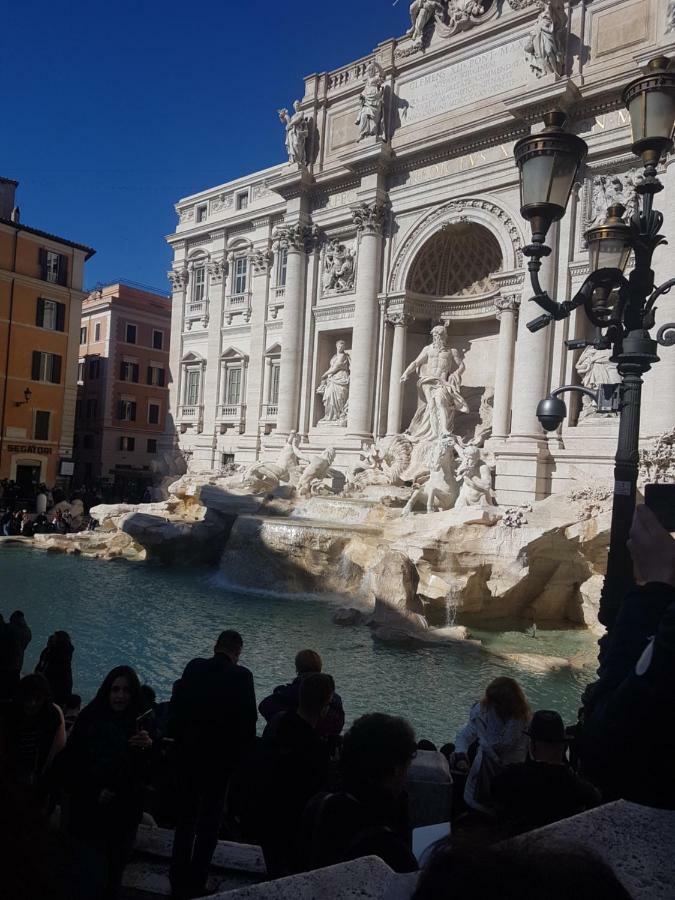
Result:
[
  {"x": 334, "y": 388},
  {"x": 339, "y": 270},
  {"x": 372, "y": 103},
  {"x": 438, "y": 388},
  {"x": 422, "y": 13},
  {"x": 311, "y": 481},
  {"x": 297, "y": 131},
  {"x": 546, "y": 46},
  {"x": 475, "y": 478},
  {"x": 264, "y": 477},
  {"x": 595, "y": 368},
  {"x": 439, "y": 488}
]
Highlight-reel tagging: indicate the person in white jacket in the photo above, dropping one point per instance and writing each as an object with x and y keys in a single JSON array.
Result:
[{"x": 497, "y": 724}]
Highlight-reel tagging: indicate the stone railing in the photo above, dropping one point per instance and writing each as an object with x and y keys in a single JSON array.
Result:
[
  {"x": 269, "y": 412},
  {"x": 190, "y": 413},
  {"x": 279, "y": 293},
  {"x": 237, "y": 300},
  {"x": 196, "y": 313},
  {"x": 343, "y": 77},
  {"x": 231, "y": 412}
]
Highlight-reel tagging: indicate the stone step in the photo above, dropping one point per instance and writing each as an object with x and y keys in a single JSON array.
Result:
[{"x": 228, "y": 855}]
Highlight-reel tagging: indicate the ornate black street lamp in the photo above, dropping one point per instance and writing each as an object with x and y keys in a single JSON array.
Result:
[{"x": 622, "y": 309}]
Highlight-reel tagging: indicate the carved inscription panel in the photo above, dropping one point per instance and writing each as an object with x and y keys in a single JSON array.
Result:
[{"x": 463, "y": 83}]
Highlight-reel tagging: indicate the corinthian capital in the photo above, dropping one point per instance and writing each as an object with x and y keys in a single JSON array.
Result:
[
  {"x": 398, "y": 318},
  {"x": 508, "y": 303},
  {"x": 178, "y": 278},
  {"x": 260, "y": 261},
  {"x": 369, "y": 217},
  {"x": 294, "y": 237}
]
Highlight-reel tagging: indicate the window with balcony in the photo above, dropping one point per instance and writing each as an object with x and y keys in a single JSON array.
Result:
[
  {"x": 233, "y": 380},
  {"x": 192, "y": 385},
  {"x": 46, "y": 367},
  {"x": 274, "y": 384},
  {"x": 240, "y": 275},
  {"x": 41, "y": 425},
  {"x": 50, "y": 315},
  {"x": 129, "y": 371},
  {"x": 130, "y": 333},
  {"x": 153, "y": 413},
  {"x": 198, "y": 284},
  {"x": 53, "y": 266},
  {"x": 127, "y": 411}
]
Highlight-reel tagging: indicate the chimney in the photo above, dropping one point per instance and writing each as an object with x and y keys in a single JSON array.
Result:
[{"x": 7, "y": 197}]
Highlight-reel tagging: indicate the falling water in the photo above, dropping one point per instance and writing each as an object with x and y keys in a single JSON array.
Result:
[{"x": 450, "y": 611}]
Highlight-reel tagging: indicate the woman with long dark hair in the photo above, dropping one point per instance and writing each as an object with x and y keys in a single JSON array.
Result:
[
  {"x": 496, "y": 732},
  {"x": 108, "y": 762},
  {"x": 55, "y": 664}
]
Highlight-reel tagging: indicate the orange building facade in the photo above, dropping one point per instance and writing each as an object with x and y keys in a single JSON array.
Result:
[
  {"x": 123, "y": 396},
  {"x": 41, "y": 293}
]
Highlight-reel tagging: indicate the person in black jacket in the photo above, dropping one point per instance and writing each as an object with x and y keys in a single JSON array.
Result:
[
  {"x": 212, "y": 720},
  {"x": 286, "y": 697},
  {"x": 627, "y": 744},
  {"x": 15, "y": 636},
  {"x": 369, "y": 815},
  {"x": 105, "y": 767},
  {"x": 543, "y": 789},
  {"x": 56, "y": 665}
]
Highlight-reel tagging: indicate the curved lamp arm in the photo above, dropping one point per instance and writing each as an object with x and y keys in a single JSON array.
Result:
[{"x": 609, "y": 279}]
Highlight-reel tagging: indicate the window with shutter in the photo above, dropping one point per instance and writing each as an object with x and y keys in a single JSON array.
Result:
[
  {"x": 56, "y": 369},
  {"x": 157, "y": 339},
  {"x": 132, "y": 414},
  {"x": 161, "y": 378},
  {"x": 40, "y": 313},
  {"x": 62, "y": 276},
  {"x": 60, "y": 317},
  {"x": 41, "y": 425},
  {"x": 134, "y": 372}
]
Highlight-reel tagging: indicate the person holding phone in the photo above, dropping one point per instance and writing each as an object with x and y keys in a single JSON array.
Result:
[
  {"x": 627, "y": 743},
  {"x": 106, "y": 769}
]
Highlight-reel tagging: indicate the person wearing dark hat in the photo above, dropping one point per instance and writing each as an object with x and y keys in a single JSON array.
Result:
[{"x": 543, "y": 789}]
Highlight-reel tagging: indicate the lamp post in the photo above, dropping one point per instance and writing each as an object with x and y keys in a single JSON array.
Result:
[{"x": 622, "y": 309}]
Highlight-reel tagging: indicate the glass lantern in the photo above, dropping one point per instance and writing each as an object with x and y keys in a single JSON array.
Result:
[{"x": 650, "y": 100}]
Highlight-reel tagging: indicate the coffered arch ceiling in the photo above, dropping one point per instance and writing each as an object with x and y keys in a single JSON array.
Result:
[{"x": 457, "y": 261}]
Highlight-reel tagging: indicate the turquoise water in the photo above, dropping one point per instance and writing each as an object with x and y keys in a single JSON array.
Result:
[{"x": 157, "y": 619}]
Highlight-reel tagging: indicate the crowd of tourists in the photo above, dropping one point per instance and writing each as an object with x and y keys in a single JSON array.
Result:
[
  {"x": 312, "y": 794},
  {"x": 43, "y": 510}
]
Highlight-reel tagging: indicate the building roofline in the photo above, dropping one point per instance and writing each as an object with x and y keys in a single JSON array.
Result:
[
  {"x": 52, "y": 237},
  {"x": 8, "y": 181},
  {"x": 242, "y": 179}
]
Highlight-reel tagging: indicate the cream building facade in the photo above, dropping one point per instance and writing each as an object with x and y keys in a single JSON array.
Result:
[{"x": 303, "y": 293}]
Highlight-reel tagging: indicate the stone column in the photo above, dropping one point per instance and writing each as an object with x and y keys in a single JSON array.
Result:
[
  {"x": 531, "y": 372},
  {"x": 179, "y": 282},
  {"x": 395, "y": 408},
  {"x": 369, "y": 221},
  {"x": 259, "y": 261},
  {"x": 507, "y": 313},
  {"x": 296, "y": 239}
]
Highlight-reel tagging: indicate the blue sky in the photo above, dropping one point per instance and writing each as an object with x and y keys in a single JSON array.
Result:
[{"x": 113, "y": 111}]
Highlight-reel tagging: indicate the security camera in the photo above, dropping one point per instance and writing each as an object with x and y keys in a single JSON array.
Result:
[{"x": 551, "y": 413}]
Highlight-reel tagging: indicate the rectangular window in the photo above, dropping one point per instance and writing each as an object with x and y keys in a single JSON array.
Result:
[
  {"x": 274, "y": 384},
  {"x": 50, "y": 315},
  {"x": 227, "y": 459},
  {"x": 91, "y": 408},
  {"x": 88, "y": 442},
  {"x": 94, "y": 368},
  {"x": 54, "y": 266},
  {"x": 130, "y": 334},
  {"x": 233, "y": 386},
  {"x": 242, "y": 200},
  {"x": 192, "y": 387},
  {"x": 240, "y": 275},
  {"x": 156, "y": 376},
  {"x": 80, "y": 371},
  {"x": 201, "y": 213},
  {"x": 153, "y": 413},
  {"x": 127, "y": 411},
  {"x": 97, "y": 331},
  {"x": 127, "y": 444},
  {"x": 282, "y": 267},
  {"x": 83, "y": 334},
  {"x": 157, "y": 339},
  {"x": 129, "y": 371},
  {"x": 41, "y": 425},
  {"x": 198, "y": 284},
  {"x": 46, "y": 367},
  {"x": 152, "y": 445}
]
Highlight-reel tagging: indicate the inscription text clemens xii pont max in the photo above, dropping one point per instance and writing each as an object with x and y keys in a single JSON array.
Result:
[{"x": 462, "y": 83}]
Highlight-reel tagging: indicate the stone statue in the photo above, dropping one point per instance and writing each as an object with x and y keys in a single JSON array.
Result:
[
  {"x": 297, "y": 131},
  {"x": 546, "y": 46},
  {"x": 334, "y": 388},
  {"x": 460, "y": 11},
  {"x": 339, "y": 271},
  {"x": 483, "y": 429},
  {"x": 262, "y": 476},
  {"x": 422, "y": 12},
  {"x": 475, "y": 479},
  {"x": 440, "y": 487},
  {"x": 609, "y": 190},
  {"x": 372, "y": 101},
  {"x": 438, "y": 388},
  {"x": 595, "y": 368},
  {"x": 312, "y": 478}
]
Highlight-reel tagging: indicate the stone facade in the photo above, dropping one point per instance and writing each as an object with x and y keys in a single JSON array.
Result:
[{"x": 399, "y": 211}]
